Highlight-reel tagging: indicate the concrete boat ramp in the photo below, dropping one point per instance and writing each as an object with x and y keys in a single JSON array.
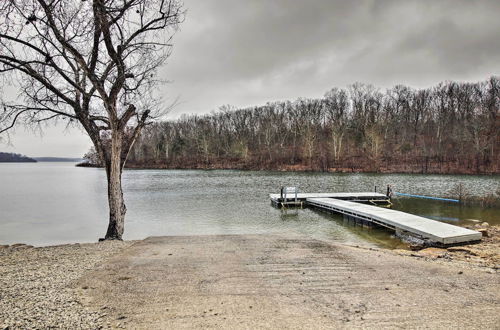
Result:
[
  {"x": 356, "y": 206},
  {"x": 286, "y": 281}
]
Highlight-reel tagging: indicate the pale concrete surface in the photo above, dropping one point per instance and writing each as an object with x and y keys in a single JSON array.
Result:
[
  {"x": 349, "y": 195},
  {"x": 278, "y": 282},
  {"x": 436, "y": 231}
]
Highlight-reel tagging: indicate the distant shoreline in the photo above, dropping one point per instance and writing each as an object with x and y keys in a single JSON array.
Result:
[
  {"x": 9, "y": 157},
  {"x": 58, "y": 159}
]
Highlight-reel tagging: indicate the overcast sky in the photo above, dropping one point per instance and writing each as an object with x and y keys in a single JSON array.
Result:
[{"x": 250, "y": 52}]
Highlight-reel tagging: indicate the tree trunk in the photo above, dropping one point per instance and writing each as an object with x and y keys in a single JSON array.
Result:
[{"x": 117, "y": 207}]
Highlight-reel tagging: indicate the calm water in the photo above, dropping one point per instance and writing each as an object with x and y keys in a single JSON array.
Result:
[{"x": 55, "y": 203}]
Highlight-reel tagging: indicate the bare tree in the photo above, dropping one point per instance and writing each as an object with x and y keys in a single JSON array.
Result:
[
  {"x": 93, "y": 63},
  {"x": 337, "y": 108}
]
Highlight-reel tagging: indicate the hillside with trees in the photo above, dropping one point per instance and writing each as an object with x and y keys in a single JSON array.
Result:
[
  {"x": 449, "y": 128},
  {"x": 8, "y": 157}
]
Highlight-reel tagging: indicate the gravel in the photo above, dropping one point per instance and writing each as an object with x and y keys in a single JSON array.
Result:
[{"x": 37, "y": 285}]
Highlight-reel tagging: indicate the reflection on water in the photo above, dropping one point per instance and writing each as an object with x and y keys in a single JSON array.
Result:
[
  {"x": 54, "y": 203},
  {"x": 448, "y": 212}
]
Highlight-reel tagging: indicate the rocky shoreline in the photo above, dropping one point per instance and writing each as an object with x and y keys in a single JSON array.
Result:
[{"x": 484, "y": 255}]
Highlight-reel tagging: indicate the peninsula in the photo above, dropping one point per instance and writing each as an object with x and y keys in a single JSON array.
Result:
[{"x": 8, "y": 157}]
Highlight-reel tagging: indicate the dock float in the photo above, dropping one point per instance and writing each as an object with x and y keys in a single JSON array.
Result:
[
  {"x": 362, "y": 206},
  {"x": 300, "y": 198},
  {"x": 431, "y": 231}
]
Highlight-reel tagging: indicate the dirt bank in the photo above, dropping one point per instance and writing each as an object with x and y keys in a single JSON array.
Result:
[{"x": 364, "y": 166}]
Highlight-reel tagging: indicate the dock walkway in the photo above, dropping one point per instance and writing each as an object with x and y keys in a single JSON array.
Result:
[
  {"x": 354, "y": 197},
  {"x": 439, "y": 233}
]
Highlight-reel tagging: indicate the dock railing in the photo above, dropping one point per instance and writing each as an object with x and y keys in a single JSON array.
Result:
[{"x": 288, "y": 193}]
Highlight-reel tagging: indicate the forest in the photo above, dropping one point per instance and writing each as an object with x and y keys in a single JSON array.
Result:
[{"x": 452, "y": 127}]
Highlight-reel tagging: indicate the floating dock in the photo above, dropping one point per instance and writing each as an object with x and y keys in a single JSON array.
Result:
[
  {"x": 360, "y": 197},
  {"x": 438, "y": 233},
  {"x": 356, "y": 205}
]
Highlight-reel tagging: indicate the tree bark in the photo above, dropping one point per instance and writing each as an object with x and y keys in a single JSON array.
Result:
[{"x": 117, "y": 207}]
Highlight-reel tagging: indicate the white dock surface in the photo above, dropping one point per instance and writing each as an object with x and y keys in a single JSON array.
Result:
[
  {"x": 351, "y": 195},
  {"x": 435, "y": 231}
]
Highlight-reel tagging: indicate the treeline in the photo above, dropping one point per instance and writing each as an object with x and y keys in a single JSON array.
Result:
[
  {"x": 453, "y": 127},
  {"x": 8, "y": 157}
]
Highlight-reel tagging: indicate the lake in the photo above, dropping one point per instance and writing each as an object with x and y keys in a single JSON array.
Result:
[{"x": 56, "y": 203}]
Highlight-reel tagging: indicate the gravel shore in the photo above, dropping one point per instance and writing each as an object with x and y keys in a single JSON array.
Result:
[{"x": 36, "y": 285}]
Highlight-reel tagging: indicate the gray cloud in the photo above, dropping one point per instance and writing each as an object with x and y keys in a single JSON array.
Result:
[{"x": 250, "y": 52}]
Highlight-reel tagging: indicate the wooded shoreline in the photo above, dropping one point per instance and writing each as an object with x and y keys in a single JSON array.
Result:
[
  {"x": 450, "y": 128},
  {"x": 389, "y": 169}
]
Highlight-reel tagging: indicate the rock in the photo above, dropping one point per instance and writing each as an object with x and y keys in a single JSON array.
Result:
[
  {"x": 415, "y": 247},
  {"x": 484, "y": 232},
  {"x": 4, "y": 246},
  {"x": 20, "y": 246},
  {"x": 485, "y": 224}
]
